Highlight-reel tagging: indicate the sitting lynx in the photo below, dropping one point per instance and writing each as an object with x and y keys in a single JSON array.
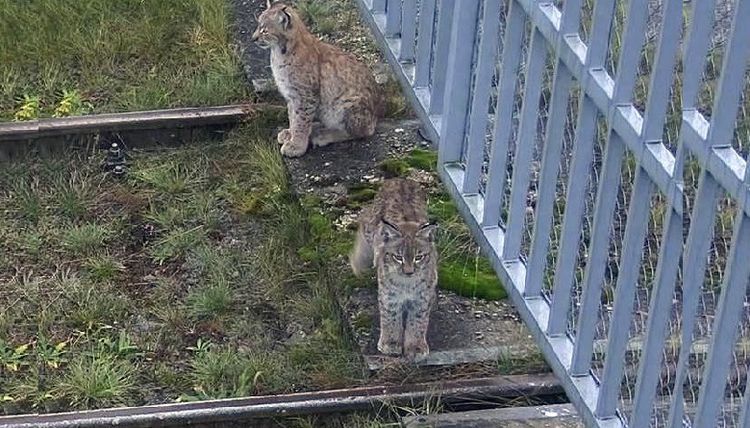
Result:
[
  {"x": 395, "y": 236},
  {"x": 318, "y": 81}
]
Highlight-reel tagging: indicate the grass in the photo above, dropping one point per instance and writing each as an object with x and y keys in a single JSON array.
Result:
[
  {"x": 97, "y": 381},
  {"x": 133, "y": 273},
  {"x": 95, "y": 56},
  {"x": 85, "y": 239}
]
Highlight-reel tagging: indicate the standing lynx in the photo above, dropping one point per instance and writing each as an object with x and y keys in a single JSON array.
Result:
[
  {"x": 395, "y": 236},
  {"x": 319, "y": 82}
]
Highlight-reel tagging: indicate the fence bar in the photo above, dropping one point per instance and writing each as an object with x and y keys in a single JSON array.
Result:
[
  {"x": 511, "y": 60},
  {"x": 424, "y": 43},
  {"x": 408, "y": 31},
  {"x": 725, "y": 326},
  {"x": 571, "y": 17},
  {"x": 458, "y": 87},
  {"x": 697, "y": 42},
  {"x": 393, "y": 18},
  {"x": 525, "y": 143},
  {"x": 662, "y": 71},
  {"x": 732, "y": 79},
  {"x": 575, "y": 204},
  {"x": 596, "y": 54},
  {"x": 487, "y": 57},
  {"x": 630, "y": 55},
  {"x": 442, "y": 47},
  {"x": 627, "y": 280},
  {"x": 378, "y": 6},
  {"x": 694, "y": 263},
  {"x": 659, "y": 315},
  {"x": 598, "y": 252},
  {"x": 546, "y": 189}
]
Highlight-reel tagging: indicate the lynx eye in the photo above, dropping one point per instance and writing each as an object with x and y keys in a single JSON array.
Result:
[
  {"x": 397, "y": 258},
  {"x": 419, "y": 258}
]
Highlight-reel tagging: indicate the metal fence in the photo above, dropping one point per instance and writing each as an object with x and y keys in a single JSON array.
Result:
[{"x": 597, "y": 150}]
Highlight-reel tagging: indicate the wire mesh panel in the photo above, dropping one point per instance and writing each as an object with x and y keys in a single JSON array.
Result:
[{"x": 597, "y": 151}]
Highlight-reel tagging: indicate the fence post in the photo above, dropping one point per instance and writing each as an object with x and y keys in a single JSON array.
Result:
[
  {"x": 424, "y": 43},
  {"x": 393, "y": 18},
  {"x": 378, "y": 6},
  {"x": 458, "y": 87},
  {"x": 442, "y": 51}
]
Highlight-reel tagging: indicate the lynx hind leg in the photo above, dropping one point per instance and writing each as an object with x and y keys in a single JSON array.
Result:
[
  {"x": 415, "y": 331},
  {"x": 362, "y": 256},
  {"x": 323, "y": 137},
  {"x": 360, "y": 122}
]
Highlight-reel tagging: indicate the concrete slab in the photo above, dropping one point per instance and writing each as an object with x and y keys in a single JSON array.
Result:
[{"x": 552, "y": 416}]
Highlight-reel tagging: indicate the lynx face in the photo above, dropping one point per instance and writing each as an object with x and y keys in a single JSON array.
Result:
[
  {"x": 407, "y": 248},
  {"x": 274, "y": 26}
]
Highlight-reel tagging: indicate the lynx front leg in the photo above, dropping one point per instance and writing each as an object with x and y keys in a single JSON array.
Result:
[
  {"x": 285, "y": 135},
  {"x": 300, "y": 125},
  {"x": 415, "y": 331},
  {"x": 391, "y": 329}
]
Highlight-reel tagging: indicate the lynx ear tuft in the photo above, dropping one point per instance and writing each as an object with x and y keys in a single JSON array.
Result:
[
  {"x": 285, "y": 19},
  {"x": 427, "y": 230},
  {"x": 389, "y": 230}
]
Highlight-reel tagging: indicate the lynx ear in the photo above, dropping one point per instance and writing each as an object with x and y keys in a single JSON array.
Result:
[
  {"x": 285, "y": 19},
  {"x": 390, "y": 231},
  {"x": 427, "y": 230}
]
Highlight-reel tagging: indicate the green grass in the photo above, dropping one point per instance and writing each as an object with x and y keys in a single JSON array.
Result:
[
  {"x": 98, "y": 381},
  {"x": 67, "y": 58},
  {"x": 85, "y": 239},
  {"x": 224, "y": 372},
  {"x": 129, "y": 274}
]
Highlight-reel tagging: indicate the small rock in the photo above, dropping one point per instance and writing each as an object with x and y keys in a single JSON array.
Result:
[{"x": 149, "y": 278}]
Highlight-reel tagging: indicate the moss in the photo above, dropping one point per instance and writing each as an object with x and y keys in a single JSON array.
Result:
[
  {"x": 360, "y": 193},
  {"x": 363, "y": 321},
  {"x": 394, "y": 167},
  {"x": 308, "y": 254},
  {"x": 320, "y": 226},
  {"x": 425, "y": 160},
  {"x": 470, "y": 281}
]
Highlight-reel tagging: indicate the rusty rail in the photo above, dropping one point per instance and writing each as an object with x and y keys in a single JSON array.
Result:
[{"x": 333, "y": 401}]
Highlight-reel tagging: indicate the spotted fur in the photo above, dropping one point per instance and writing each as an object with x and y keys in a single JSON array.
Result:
[
  {"x": 330, "y": 95},
  {"x": 395, "y": 237}
]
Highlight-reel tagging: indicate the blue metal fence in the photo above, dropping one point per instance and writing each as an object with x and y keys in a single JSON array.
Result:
[{"x": 599, "y": 199}]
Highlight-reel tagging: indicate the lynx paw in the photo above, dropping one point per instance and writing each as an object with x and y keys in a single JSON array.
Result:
[
  {"x": 416, "y": 350},
  {"x": 291, "y": 150},
  {"x": 284, "y": 136},
  {"x": 389, "y": 347}
]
